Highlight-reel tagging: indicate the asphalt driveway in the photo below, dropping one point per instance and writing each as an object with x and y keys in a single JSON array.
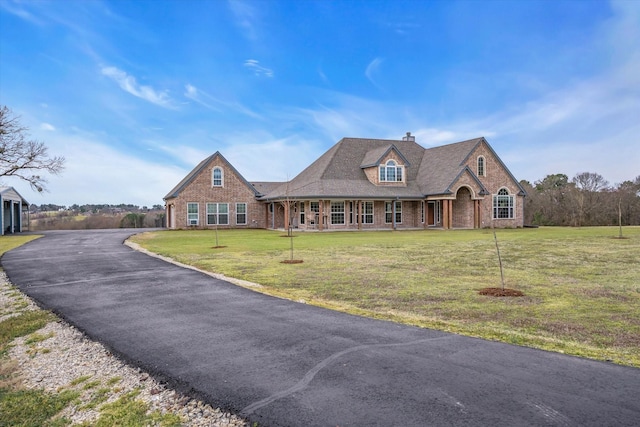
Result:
[{"x": 282, "y": 363}]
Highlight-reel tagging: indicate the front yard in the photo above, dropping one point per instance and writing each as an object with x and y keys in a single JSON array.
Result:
[{"x": 581, "y": 285}]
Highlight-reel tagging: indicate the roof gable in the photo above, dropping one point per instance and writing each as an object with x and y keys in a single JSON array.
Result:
[
  {"x": 499, "y": 160},
  {"x": 474, "y": 177},
  {"x": 200, "y": 168},
  {"x": 10, "y": 193},
  {"x": 375, "y": 156}
]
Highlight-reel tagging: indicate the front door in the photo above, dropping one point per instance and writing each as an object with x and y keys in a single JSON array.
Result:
[{"x": 431, "y": 216}]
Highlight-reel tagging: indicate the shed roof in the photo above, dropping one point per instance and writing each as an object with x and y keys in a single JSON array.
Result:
[{"x": 10, "y": 193}]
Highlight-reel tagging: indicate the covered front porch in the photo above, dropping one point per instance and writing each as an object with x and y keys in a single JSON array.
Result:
[{"x": 461, "y": 211}]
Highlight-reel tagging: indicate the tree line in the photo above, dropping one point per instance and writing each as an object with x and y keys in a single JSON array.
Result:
[
  {"x": 587, "y": 199},
  {"x": 92, "y": 208}
]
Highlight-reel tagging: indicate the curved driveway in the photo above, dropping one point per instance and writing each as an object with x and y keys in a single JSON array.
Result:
[{"x": 281, "y": 363}]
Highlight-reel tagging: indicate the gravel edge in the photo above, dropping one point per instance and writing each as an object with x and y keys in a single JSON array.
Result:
[{"x": 63, "y": 358}]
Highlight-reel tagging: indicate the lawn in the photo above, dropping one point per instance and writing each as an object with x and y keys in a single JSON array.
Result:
[{"x": 581, "y": 285}]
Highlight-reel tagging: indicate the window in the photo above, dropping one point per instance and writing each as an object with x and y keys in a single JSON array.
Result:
[
  {"x": 422, "y": 213},
  {"x": 302, "y": 218},
  {"x": 192, "y": 214},
  {"x": 216, "y": 177},
  {"x": 367, "y": 213},
  {"x": 337, "y": 212},
  {"x": 388, "y": 212},
  {"x": 314, "y": 207},
  {"x": 241, "y": 213},
  {"x": 503, "y": 205},
  {"x": 481, "y": 169},
  {"x": 217, "y": 213},
  {"x": 390, "y": 172}
]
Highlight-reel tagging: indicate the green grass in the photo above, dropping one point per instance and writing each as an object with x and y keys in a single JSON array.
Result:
[
  {"x": 581, "y": 285},
  {"x": 127, "y": 411},
  {"x": 33, "y": 407},
  {"x": 21, "y": 325},
  {"x": 13, "y": 241}
]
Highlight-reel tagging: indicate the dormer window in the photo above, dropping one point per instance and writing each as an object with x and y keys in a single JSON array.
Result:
[
  {"x": 391, "y": 172},
  {"x": 217, "y": 177}
]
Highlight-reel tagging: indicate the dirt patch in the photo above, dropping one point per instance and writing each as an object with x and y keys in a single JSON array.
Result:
[
  {"x": 499, "y": 292},
  {"x": 217, "y": 247},
  {"x": 292, "y": 261}
]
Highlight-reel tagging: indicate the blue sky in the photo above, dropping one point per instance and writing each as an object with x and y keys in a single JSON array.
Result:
[{"x": 135, "y": 93}]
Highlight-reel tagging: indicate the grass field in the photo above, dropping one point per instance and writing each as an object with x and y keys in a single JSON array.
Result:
[{"x": 581, "y": 285}]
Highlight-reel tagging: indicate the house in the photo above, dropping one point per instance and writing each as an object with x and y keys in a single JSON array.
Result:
[
  {"x": 12, "y": 205},
  {"x": 358, "y": 184}
]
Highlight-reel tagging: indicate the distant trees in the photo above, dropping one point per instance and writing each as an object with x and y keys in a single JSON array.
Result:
[
  {"x": 55, "y": 217},
  {"x": 586, "y": 199},
  {"x": 22, "y": 157}
]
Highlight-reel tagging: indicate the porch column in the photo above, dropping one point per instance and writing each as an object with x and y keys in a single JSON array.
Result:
[
  {"x": 445, "y": 214},
  {"x": 321, "y": 215},
  {"x": 450, "y": 213},
  {"x": 359, "y": 215},
  {"x": 393, "y": 213}
]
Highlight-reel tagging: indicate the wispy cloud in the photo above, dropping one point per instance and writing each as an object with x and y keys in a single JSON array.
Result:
[
  {"x": 18, "y": 9},
  {"x": 245, "y": 18},
  {"x": 129, "y": 84},
  {"x": 47, "y": 126},
  {"x": 215, "y": 104},
  {"x": 258, "y": 69},
  {"x": 372, "y": 69},
  {"x": 402, "y": 28},
  {"x": 194, "y": 94}
]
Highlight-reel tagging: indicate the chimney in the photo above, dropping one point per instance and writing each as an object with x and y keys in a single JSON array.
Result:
[{"x": 409, "y": 137}]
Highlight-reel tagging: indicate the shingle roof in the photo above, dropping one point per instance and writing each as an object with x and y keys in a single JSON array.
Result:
[
  {"x": 442, "y": 165},
  {"x": 338, "y": 172},
  {"x": 263, "y": 187}
]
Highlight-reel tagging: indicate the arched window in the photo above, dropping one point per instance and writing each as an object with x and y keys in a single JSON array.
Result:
[
  {"x": 391, "y": 172},
  {"x": 503, "y": 205},
  {"x": 217, "y": 177},
  {"x": 481, "y": 166}
]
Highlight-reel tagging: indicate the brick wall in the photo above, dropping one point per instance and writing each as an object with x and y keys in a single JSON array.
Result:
[
  {"x": 496, "y": 177},
  {"x": 233, "y": 190}
]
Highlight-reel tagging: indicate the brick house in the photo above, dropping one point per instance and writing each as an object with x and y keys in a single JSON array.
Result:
[{"x": 358, "y": 184}]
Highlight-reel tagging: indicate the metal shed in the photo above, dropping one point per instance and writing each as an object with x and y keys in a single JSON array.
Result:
[{"x": 12, "y": 204}]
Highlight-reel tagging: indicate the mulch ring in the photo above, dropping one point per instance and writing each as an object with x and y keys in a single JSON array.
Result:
[
  {"x": 499, "y": 292},
  {"x": 217, "y": 247},
  {"x": 292, "y": 261}
]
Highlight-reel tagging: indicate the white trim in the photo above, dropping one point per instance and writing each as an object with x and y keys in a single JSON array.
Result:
[
  {"x": 484, "y": 166},
  {"x": 511, "y": 207},
  {"x": 213, "y": 171},
  {"x": 246, "y": 208},
  {"x": 191, "y": 222},
  {"x": 343, "y": 212}
]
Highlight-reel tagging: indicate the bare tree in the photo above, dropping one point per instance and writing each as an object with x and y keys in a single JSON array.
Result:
[
  {"x": 22, "y": 157},
  {"x": 588, "y": 186}
]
